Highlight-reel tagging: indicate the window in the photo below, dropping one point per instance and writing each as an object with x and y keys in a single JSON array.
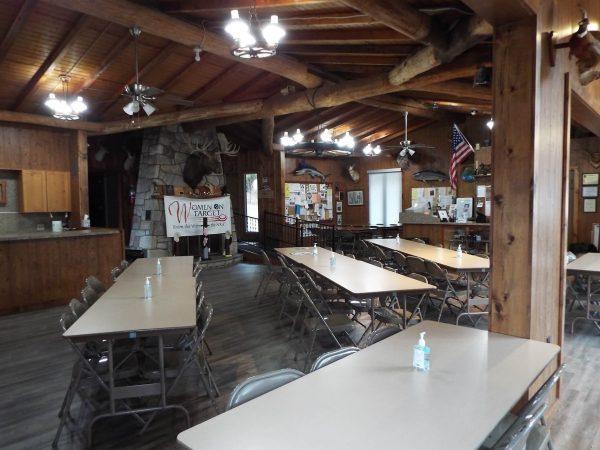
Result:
[
  {"x": 385, "y": 196},
  {"x": 251, "y": 191}
]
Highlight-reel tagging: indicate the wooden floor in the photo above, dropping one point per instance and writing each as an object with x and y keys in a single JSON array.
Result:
[{"x": 246, "y": 339}]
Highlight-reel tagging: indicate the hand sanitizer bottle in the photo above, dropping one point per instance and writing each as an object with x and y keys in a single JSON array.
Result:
[
  {"x": 398, "y": 238},
  {"x": 315, "y": 250},
  {"x": 158, "y": 267},
  {"x": 421, "y": 354},
  {"x": 459, "y": 251},
  {"x": 147, "y": 289},
  {"x": 332, "y": 260}
]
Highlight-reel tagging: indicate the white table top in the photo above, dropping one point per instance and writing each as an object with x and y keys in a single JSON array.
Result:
[
  {"x": 475, "y": 379},
  {"x": 356, "y": 277},
  {"x": 122, "y": 308},
  {"x": 442, "y": 256},
  {"x": 590, "y": 262}
]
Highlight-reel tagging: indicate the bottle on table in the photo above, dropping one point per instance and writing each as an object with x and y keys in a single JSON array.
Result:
[
  {"x": 397, "y": 238},
  {"x": 158, "y": 267},
  {"x": 147, "y": 289},
  {"x": 314, "y": 249},
  {"x": 332, "y": 260},
  {"x": 459, "y": 251},
  {"x": 421, "y": 354}
]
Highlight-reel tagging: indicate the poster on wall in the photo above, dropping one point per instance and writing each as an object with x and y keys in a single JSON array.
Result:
[{"x": 184, "y": 216}]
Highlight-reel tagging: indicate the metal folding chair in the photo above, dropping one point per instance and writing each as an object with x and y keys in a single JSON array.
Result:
[
  {"x": 115, "y": 272},
  {"x": 269, "y": 275},
  {"x": 95, "y": 284},
  {"x": 89, "y": 295},
  {"x": 330, "y": 357},
  {"x": 380, "y": 335},
  {"x": 258, "y": 385},
  {"x": 77, "y": 307}
]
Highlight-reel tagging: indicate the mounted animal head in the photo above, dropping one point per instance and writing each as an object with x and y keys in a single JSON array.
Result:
[
  {"x": 354, "y": 175},
  {"x": 129, "y": 161},
  {"x": 585, "y": 46},
  {"x": 203, "y": 161},
  {"x": 227, "y": 148}
]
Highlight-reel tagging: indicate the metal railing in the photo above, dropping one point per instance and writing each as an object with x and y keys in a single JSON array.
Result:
[{"x": 285, "y": 231}]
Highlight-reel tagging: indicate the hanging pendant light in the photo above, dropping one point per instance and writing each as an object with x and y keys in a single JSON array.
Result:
[
  {"x": 251, "y": 41},
  {"x": 62, "y": 108}
]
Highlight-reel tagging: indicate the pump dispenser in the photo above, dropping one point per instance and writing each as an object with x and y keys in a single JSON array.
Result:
[
  {"x": 421, "y": 354},
  {"x": 147, "y": 289},
  {"x": 158, "y": 267},
  {"x": 314, "y": 249},
  {"x": 459, "y": 251}
]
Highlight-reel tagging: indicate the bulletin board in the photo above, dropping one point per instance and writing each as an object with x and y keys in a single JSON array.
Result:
[
  {"x": 431, "y": 196},
  {"x": 309, "y": 201}
]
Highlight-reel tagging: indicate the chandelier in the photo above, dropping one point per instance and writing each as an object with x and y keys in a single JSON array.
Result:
[
  {"x": 62, "y": 108},
  {"x": 325, "y": 146},
  {"x": 369, "y": 150},
  {"x": 251, "y": 40}
]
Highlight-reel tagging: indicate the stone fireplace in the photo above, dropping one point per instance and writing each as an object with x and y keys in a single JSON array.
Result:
[{"x": 164, "y": 154}]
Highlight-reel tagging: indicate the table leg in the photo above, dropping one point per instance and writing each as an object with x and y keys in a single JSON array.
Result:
[
  {"x": 161, "y": 362},
  {"x": 404, "y": 311},
  {"x": 111, "y": 376}
]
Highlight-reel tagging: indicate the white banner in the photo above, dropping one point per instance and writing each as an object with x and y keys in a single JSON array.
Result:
[{"x": 185, "y": 216}]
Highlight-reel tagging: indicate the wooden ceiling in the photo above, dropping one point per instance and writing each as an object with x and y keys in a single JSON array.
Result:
[{"x": 328, "y": 40}]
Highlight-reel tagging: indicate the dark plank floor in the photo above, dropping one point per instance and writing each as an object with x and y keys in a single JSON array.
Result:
[{"x": 246, "y": 339}]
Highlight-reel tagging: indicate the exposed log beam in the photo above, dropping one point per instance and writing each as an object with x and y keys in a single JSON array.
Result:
[
  {"x": 499, "y": 12},
  {"x": 316, "y": 22},
  {"x": 371, "y": 60},
  {"x": 348, "y": 50},
  {"x": 156, "y": 60},
  {"x": 267, "y": 128},
  {"x": 459, "y": 89},
  {"x": 48, "y": 121},
  {"x": 55, "y": 55},
  {"x": 106, "y": 62},
  {"x": 401, "y": 77},
  {"x": 360, "y": 36},
  {"x": 15, "y": 27},
  {"x": 198, "y": 6},
  {"x": 405, "y": 104},
  {"x": 402, "y": 18},
  {"x": 154, "y": 22}
]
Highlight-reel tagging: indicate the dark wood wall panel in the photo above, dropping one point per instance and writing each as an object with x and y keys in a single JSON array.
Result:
[
  {"x": 28, "y": 147},
  {"x": 44, "y": 272}
]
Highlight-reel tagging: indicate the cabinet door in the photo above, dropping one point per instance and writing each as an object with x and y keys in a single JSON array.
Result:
[
  {"x": 58, "y": 191},
  {"x": 33, "y": 191}
]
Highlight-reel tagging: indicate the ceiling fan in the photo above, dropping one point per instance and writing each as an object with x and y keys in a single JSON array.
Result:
[
  {"x": 407, "y": 147},
  {"x": 142, "y": 96}
]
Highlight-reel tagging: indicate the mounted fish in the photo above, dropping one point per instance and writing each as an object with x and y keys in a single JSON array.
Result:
[
  {"x": 354, "y": 175},
  {"x": 429, "y": 175},
  {"x": 304, "y": 169}
]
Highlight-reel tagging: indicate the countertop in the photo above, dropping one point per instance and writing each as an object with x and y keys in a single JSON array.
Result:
[
  {"x": 452, "y": 224},
  {"x": 32, "y": 235}
]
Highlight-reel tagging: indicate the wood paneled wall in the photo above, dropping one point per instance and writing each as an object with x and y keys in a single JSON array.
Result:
[
  {"x": 580, "y": 164},
  {"x": 437, "y": 135},
  {"x": 40, "y": 148}
]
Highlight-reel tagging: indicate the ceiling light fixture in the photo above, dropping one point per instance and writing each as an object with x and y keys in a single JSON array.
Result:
[
  {"x": 325, "y": 146},
  {"x": 62, "y": 108},
  {"x": 369, "y": 150},
  {"x": 252, "y": 41}
]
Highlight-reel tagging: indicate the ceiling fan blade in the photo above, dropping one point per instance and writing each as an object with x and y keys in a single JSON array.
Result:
[
  {"x": 175, "y": 100},
  {"x": 150, "y": 91},
  {"x": 420, "y": 146}
]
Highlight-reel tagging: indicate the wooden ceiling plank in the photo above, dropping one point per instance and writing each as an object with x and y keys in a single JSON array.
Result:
[
  {"x": 244, "y": 87},
  {"x": 27, "y": 6},
  {"x": 156, "y": 60},
  {"x": 106, "y": 62},
  {"x": 403, "y": 18},
  {"x": 198, "y": 93},
  {"x": 198, "y": 6},
  {"x": 364, "y": 60},
  {"x": 345, "y": 50},
  {"x": 157, "y": 23},
  {"x": 346, "y": 36},
  {"x": 56, "y": 54}
]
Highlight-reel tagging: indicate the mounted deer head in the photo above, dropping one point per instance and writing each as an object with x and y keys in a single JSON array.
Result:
[{"x": 585, "y": 46}]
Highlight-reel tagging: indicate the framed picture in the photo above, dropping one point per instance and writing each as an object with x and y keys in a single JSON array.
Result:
[
  {"x": 590, "y": 179},
  {"x": 339, "y": 220},
  {"x": 355, "y": 198},
  {"x": 589, "y": 191},
  {"x": 340, "y": 196},
  {"x": 338, "y": 207},
  {"x": 589, "y": 205}
]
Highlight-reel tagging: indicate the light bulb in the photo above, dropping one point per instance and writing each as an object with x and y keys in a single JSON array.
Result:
[
  {"x": 368, "y": 150},
  {"x": 148, "y": 109},
  {"x": 411, "y": 151},
  {"x": 272, "y": 32},
  {"x": 326, "y": 135},
  {"x": 132, "y": 107},
  {"x": 286, "y": 140},
  {"x": 246, "y": 40},
  {"x": 377, "y": 150},
  {"x": 51, "y": 102},
  {"x": 490, "y": 123},
  {"x": 298, "y": 136},
  {"x": 236, "y": 27},
  {"x": 78, "y": 105},
  {"x": 347, "y": 141}
]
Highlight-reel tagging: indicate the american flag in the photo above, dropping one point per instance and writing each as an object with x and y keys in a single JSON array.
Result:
[{"x": 461, "y": 149}]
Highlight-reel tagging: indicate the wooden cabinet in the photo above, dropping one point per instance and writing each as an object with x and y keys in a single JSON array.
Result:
[
  {"x": 45, "y": 191},
  {"x": 58, "y": 191},
  {"x": 33, "y": 191}
]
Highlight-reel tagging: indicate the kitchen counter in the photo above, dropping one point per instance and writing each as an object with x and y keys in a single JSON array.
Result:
[
  {"x": 442, "y": 233},
  {"x": 32, "y": 235},
  {"x": 42, "y": 268},
  {"x": 452, "y": 224}
]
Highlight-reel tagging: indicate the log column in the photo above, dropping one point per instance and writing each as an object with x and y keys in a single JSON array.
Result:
[
  {"x": 530, "y": 160},
  {"x": 79, "y": 177}
]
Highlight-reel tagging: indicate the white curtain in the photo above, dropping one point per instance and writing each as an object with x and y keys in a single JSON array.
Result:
[{"x": 385, "y": 197}]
